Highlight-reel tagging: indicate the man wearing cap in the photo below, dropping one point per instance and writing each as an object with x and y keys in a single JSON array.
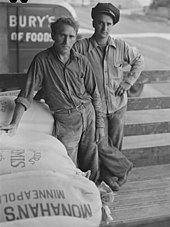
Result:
[{"x": 108, "y": 56}]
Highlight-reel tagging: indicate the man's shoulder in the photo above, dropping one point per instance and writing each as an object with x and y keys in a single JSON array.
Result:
[
  {"x": 80, "y": 56},
  {"x": 83, "y": 41},
  {"x": 118, "y": 41},
  {"x": 82, "y": 45},
  {"x": 43, "y": 54}
]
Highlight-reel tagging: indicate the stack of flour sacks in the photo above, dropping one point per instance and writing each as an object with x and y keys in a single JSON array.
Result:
[{"x": 39, "y": 183}]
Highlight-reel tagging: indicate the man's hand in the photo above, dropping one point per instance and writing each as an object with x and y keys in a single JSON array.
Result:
[
  {"x": 9, "y": 129},
  {"x": 99, "y": 134},
  {"x": 124, "y": 86}
]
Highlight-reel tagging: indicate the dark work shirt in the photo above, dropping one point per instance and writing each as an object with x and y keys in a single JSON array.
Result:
[{"x": 65, "y": 86}]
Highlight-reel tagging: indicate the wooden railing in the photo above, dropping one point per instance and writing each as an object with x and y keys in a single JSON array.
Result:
[{"x": 147, "y": 127}]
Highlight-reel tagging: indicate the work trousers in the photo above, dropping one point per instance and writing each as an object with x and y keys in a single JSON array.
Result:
[
  {"x": 115, "y": 127},
  {"x": 76, "y": 128},
  {"x": 112, "y": 161}
]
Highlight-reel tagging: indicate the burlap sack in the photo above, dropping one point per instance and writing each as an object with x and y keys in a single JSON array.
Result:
[
  {"x": 44, "y": 193},
  {"x": 53, "y": 221},
  {"x": 27, "y": 151},
  {"x": 37, "y": 118}
]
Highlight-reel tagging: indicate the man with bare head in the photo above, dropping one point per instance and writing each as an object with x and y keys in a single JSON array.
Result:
[{"x": 69, "y": 88}]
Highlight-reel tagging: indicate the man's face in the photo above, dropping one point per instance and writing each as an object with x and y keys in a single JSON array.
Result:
[
  {"x": 64, "y": 38},
  {"x": 103, "y": 25}
]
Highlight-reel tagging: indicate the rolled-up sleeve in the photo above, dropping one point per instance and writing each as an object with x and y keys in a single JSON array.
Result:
[
  {"x": 33, "y": 83},
  {"x": 92, "y": 89},
  {"x": 136, "y": 61}
]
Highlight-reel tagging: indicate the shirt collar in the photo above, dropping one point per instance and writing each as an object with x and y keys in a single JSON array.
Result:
[
  {"x": 52, "y": 53},
  {"x": 93, "y": 44}
]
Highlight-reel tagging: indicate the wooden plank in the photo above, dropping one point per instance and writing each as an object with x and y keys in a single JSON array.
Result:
[
  {"x": 147, "y": 149},
  {"x": 145, "y": 213},
  {"x": 144, "y": 189},
  {"x": 144, "y": 199},
  {"x": 147, "y": 128},
  {"x": 148, "y": 103},
  {"x": 150, "y": 172},
  {"x": 155, "y": 90},
  {"x": 146, "y": 141},
  {"x": 147, "y": 122},
  {"x": 154, "y": 76},
  {"x": 147, "y": 116},
  {"x": 163, "y": 221},
  {"x": 148, "y": 155}
]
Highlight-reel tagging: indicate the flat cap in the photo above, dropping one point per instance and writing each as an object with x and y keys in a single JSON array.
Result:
[{"x": 106, "y": 8}]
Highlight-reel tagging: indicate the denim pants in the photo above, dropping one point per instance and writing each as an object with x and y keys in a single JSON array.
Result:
[
  {"x": 76, "y": 130},
  {"x": 112, "y": 160},
  {"x": 115, "y": 127}
]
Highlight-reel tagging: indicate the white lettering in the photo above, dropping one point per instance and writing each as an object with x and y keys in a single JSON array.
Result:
[
  {"x": 51, "y": 19},
  {"x": 40, "y": 20},
  {"x": 33, "y": 37},
  {"x": 12, "y": 21},
  {"x": 20, "y": 36},
  {"x": 38, "y": 37},
  {"x": 28, "y": 36},
  {"x": 22, "y": 21},
  {"x": 32, "y": 21},
  {"x": 13, "y": 36},
  {"x": 47, "y": 37}
]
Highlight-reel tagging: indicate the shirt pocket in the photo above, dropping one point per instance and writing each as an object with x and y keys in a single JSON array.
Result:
[
  {"x": 117, "y": 67},
  {"x": 115, "y": 74},
  {"x": 79, "y": 82}
]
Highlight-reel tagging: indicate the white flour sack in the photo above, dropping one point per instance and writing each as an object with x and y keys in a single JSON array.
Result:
[
  {"x": 27, "y": 151},
  {"x": 53, "y": 221},
  {"x": 44, "y": 193},
  {"x": 37, "y": 118}
]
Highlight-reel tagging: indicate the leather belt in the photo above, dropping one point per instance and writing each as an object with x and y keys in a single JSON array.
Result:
[{"x": 74, "y": 109}]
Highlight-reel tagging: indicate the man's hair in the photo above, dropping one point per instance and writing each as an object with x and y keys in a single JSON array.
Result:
[{"x": 64, "y": 20}]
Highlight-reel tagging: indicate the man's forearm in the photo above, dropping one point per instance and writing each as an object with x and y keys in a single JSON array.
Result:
[
  {"x": 99, "y": 114},
  {"x": 18, "y": 112},
  {"x": 135, "y": 71}
]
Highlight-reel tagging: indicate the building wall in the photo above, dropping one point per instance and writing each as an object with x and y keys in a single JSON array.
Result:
[{"x": 3, "y": 40}]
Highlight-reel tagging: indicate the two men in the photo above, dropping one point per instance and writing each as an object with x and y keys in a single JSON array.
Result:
[
  {"x": 68, "y": 82},
  {"x": 70, "y": 90},
  {"x": 108, "y": 56}
]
